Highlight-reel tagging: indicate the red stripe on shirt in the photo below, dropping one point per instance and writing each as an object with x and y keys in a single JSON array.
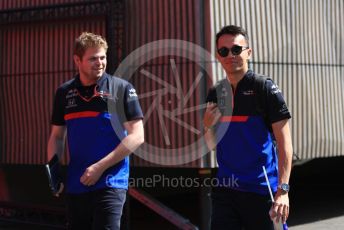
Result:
[
  {"x": 81, "y": 115},
  {"x": 234, "y": 119}
]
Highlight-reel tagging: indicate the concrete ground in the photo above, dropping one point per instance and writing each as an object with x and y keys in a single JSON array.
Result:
[
  {"x": 328, "y": 224},
  {"x": 316, "y": 201},
  {"x": 318, "y": 198}
]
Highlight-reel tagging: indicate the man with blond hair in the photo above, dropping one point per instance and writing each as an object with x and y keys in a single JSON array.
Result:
[{"x": 102, "y": 119}]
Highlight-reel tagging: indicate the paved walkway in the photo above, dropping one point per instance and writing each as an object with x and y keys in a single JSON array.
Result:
[{"x": 328, "y": 224}]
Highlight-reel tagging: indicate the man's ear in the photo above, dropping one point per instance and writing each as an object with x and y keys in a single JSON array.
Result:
[
  {"x": 249, "y": 53},
  {"x": 77, "y": 60}
]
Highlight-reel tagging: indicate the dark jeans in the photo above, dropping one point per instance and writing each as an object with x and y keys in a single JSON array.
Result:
[
  {"x": 101, "y": 209},
  {"x": 235, "y": 210}
]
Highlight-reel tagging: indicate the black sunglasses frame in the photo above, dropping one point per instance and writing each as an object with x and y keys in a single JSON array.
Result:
[{"x": 235, "y": 50}]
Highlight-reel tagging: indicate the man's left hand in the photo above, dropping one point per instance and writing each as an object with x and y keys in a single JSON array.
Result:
[
  {"x": 91, "y": 175},
  {"x": 280, "y": 209}
]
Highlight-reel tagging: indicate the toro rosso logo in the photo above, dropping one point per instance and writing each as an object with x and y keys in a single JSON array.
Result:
[{"x": 132, "y": 93}]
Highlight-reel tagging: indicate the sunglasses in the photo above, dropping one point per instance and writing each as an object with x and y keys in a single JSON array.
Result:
[{"x": 235, "y": 50}]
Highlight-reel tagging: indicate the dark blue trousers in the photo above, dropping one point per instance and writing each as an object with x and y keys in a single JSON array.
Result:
[
  {"x": 236, "y": 210},
  {"x": 101, "y": 209}
]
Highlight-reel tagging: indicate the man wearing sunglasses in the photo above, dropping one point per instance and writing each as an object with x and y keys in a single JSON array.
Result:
[
  {"x": 244, "y": 139},
  {"x": 102, "y": 118}
]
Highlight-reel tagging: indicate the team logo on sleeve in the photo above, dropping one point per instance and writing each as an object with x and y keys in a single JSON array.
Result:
[
  {"x": 275, "y": 89},
  {"x": 283, "y": 109},
  {"x": 132, "y": 93}
]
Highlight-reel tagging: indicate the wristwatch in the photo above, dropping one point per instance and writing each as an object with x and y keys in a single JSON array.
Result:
[{"x": 284, "y": 187}]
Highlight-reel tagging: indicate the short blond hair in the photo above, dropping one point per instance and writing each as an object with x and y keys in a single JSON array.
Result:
[{"x": 88, "y": 40}]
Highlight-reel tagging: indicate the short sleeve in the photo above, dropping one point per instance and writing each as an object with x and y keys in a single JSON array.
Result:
[
  {"x": 276, "y": 105},
  {"x": 58, "y": 109},
  {"x": 131, "y": 104}
]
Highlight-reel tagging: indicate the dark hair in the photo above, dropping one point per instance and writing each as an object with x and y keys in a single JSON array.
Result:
[{"x": 232, "y": 30}]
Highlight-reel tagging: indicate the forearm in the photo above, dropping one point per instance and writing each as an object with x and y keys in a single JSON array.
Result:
[
  {"x": 128, "y": 145},
  {"x": 56, "y": 142},
  {"x": 285, "y": 150},
  {"x": 211, "y": 117},
  {"x": 280, "y": 209},
  {"x": 285, "y": 155},
  {"x": 55, "y": 146},
  {"x": 210, "y": 139}
]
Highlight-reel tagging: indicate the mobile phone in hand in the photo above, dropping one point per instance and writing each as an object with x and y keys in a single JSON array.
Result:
[{"x": 53, "y": 171}]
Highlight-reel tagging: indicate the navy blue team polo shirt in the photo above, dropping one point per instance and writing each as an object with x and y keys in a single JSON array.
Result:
[
  {"x": 94, "y": 117},
  {"x": 245, "y": 143}
]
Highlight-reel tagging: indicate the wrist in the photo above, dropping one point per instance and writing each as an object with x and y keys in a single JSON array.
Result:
[
  {"x": 283, "y": 188},
  {"x": 100, "y": 166},
  {"x": 207, "y": 128}
]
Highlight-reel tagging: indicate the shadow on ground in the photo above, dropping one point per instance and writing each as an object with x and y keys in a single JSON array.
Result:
[{"x": 317, "y": 191}]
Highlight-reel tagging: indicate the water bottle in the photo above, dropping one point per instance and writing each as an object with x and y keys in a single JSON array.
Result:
[{"x": 280, "y": 226}]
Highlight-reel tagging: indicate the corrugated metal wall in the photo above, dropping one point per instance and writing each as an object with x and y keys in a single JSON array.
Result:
[
  {"x": 15, "y": 4},
  {"x": 35, "y": 59},
  {"x": 169, "y": 141},
  {"x": 300, "y": 45},
  {"x": 297, "y": 43}
]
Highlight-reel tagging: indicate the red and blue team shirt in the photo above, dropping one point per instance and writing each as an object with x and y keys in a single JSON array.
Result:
[
  {"x": 244, "y": 142},
  {"x": 94, "y": 117}
]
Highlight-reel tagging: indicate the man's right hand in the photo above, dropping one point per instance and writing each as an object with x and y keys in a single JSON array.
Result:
[
  {"x": 57, "y": 194},
  {"x": 211, "y": 116}
]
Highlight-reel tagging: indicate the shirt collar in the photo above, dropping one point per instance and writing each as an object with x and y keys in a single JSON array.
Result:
[
  {"x": 248, "y": 74},
  {"x": 99, "y": 83}
]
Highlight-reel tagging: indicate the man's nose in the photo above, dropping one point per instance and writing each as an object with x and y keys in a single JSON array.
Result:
[{"x": 98, "y": 61}]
